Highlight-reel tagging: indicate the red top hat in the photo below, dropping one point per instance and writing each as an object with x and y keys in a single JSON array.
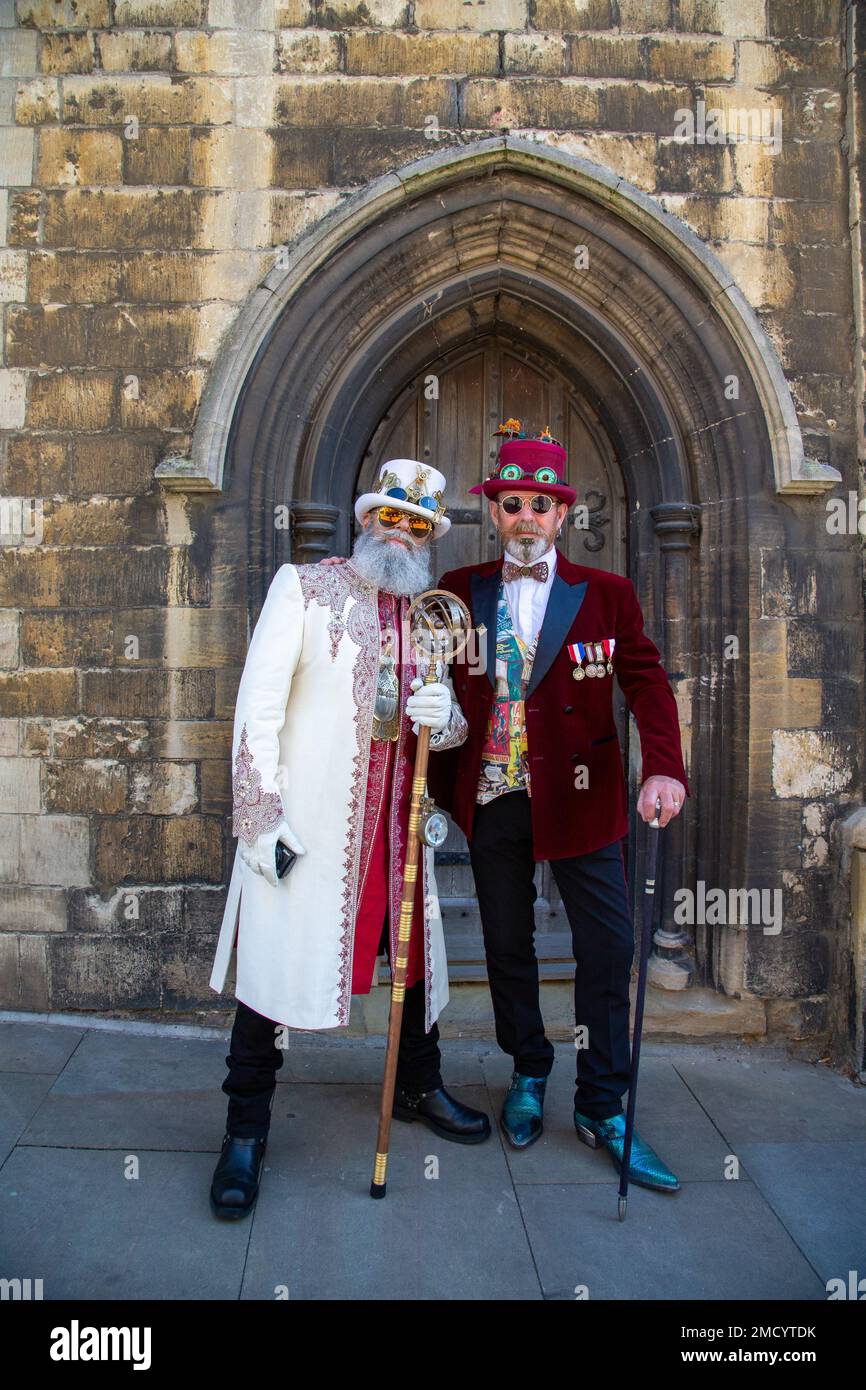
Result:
[{"x": 528, "y": 465}]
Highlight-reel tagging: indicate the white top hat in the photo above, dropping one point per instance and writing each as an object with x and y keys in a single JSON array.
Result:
[{"x": 413, "y": 487}]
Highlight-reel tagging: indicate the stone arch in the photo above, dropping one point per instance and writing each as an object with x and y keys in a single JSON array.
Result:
[{"x": 593, "y": 185}]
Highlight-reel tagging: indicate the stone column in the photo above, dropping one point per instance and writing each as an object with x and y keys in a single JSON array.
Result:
[
  {"x": 672, "y": 962},
  {"x": 314, "y": 531}
]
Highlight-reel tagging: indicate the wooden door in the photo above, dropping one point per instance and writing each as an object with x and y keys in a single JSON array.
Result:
[{"x": 446, "y": 418}]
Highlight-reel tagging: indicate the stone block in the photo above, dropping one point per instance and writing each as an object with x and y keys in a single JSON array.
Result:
[
  {"x": 16, "y": 155},
  {"x": 84, "y": 787},
  {"x": 84, "y": 737},
  {"x": 74, "y": 277},
  {"x": 71, "y": 399},
  {"x": 158, "y": 156},
  {"x": 143, "y": 694},
  {"x": 55, "y": 850},
  {"x": 38, "y": 692},
  {"x": 104, "y": 973},
  {"x": 131, "y": 909},
  {"x": 114, "y": 464},
  {"x": 810, "y": 763},
  {"x": 315, "y": 50},
  {"x": 125, "y": 50},
  {"x": 25, "y": 909},
  {"x": 154, "y": 849},
  {"x": 163, "y": 788},
  {"x": 10, "y": 650},
  {"x": 19, "y": 786},
  {"x": 68, "y": 52},
  {"x": 153, "y": 99},
  {"x": 64, "y": 14}
]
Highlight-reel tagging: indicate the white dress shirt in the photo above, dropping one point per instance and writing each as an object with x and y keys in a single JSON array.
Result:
[{"x": 527, "y": 597}]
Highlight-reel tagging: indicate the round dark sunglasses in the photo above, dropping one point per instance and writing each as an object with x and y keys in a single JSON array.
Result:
[{"x": 540, "y": 503}]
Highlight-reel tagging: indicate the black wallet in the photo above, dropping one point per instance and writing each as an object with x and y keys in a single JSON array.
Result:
[{"x": 285, "y": 859}]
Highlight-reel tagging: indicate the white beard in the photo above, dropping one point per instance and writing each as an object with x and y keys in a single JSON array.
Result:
[{"x": 392, "y": 567}]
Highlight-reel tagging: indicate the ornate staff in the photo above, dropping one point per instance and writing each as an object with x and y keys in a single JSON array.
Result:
[
  {"x": 645, "y": 940},
  {"x": 440, "y": 625}
]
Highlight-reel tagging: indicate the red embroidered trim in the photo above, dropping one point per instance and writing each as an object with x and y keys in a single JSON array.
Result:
[
  {"x": 363, "y": 629},
  {"x": 254, "y": 811},
  {"x": 377, "y": 768},
  {"x": 428, "y": 953}
]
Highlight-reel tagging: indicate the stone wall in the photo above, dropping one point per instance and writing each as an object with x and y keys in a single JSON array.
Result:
[{"x": 156, "y": 157}]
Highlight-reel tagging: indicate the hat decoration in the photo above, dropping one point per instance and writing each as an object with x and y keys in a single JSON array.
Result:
[{"x": 528, "y": 464}]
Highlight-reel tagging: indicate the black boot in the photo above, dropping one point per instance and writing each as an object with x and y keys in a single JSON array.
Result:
[
  {"x": 440, "y": 1112},
  {"x": 235, "y": 1182}
]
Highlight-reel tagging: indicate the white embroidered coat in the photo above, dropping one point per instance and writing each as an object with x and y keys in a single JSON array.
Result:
[{"x": 300, "y": 751}]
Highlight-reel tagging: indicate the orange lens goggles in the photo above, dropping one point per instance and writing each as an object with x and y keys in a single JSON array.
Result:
[{"x": 392, "y": 516}]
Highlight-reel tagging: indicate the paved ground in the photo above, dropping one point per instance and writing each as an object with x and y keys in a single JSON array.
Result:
[{"x": 81, "y": 1107}]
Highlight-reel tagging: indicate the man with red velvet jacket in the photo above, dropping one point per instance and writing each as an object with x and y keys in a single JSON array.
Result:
[{"x": 540, "y": 777}]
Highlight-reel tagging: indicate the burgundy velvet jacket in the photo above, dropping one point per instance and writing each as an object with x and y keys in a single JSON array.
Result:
[{"x": 569, "y": 723}]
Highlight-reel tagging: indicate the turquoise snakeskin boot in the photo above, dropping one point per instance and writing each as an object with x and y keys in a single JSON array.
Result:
[
  {"x": 645, "y": 1166},
  {"x": 522, "y": 1109}
]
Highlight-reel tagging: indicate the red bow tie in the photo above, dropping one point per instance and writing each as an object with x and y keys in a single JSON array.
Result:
[{"x": 536, "y": 571}]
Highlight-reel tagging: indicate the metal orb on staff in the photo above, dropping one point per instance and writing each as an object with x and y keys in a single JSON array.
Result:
[{"x": 440, "y": 626}]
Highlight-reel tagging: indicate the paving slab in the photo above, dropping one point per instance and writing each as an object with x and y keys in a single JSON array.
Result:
[
  {"x": 40, "y": 1048},
  {"x": 818, "y": 1191},
  {"x": 753, "y": 1100},
  {"x": 319, "y": 1234},
  {"x": 136, "y": 1091},
  {"x": 20, "y": 1097},
  {"x": 707, "y": 1241},
  {"x": 71, "y": 1218}
]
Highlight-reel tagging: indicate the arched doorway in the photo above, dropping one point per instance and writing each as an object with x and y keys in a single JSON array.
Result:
[
  {"x": 585, "y": 282},
  {"x": 447, "y": 418}
]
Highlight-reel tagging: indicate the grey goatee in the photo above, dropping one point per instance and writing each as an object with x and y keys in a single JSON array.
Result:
[
  {"x": 525, "y": 550},
  {"x": 393, "y": 567}
]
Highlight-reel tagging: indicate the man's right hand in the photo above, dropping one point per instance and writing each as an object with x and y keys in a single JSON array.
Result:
[
  {"x": 260, "y": 856},
  {"x": 333, "y": 560}
]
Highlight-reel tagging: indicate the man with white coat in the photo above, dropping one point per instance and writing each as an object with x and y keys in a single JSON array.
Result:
[{"x": 325, "y": 728}]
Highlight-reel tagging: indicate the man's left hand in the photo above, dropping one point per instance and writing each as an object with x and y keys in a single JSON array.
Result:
[
  {"x": 668, "y": 791},
  {"x": 430, "y": 705}
]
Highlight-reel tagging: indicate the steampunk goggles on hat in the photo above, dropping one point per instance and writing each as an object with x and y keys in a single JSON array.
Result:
[
  {"x": 526, "y": 464},
  {"x": 511, "y": 472}
]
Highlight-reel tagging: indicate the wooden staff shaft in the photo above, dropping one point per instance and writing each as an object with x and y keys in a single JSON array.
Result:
[{"x": 400, "y": 964}]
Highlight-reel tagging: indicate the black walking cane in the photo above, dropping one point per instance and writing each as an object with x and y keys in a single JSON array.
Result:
[{"x": 649, "y": 894}]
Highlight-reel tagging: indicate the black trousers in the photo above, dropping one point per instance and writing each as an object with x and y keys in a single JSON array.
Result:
[
  {"x": 594, "y": 895},
  {"x": 254, "y": 1059}
]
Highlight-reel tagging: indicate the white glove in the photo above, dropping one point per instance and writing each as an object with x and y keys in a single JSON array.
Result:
[
  {"x": 431, "y": 705},
  {"x": 260, "y": 856}
]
